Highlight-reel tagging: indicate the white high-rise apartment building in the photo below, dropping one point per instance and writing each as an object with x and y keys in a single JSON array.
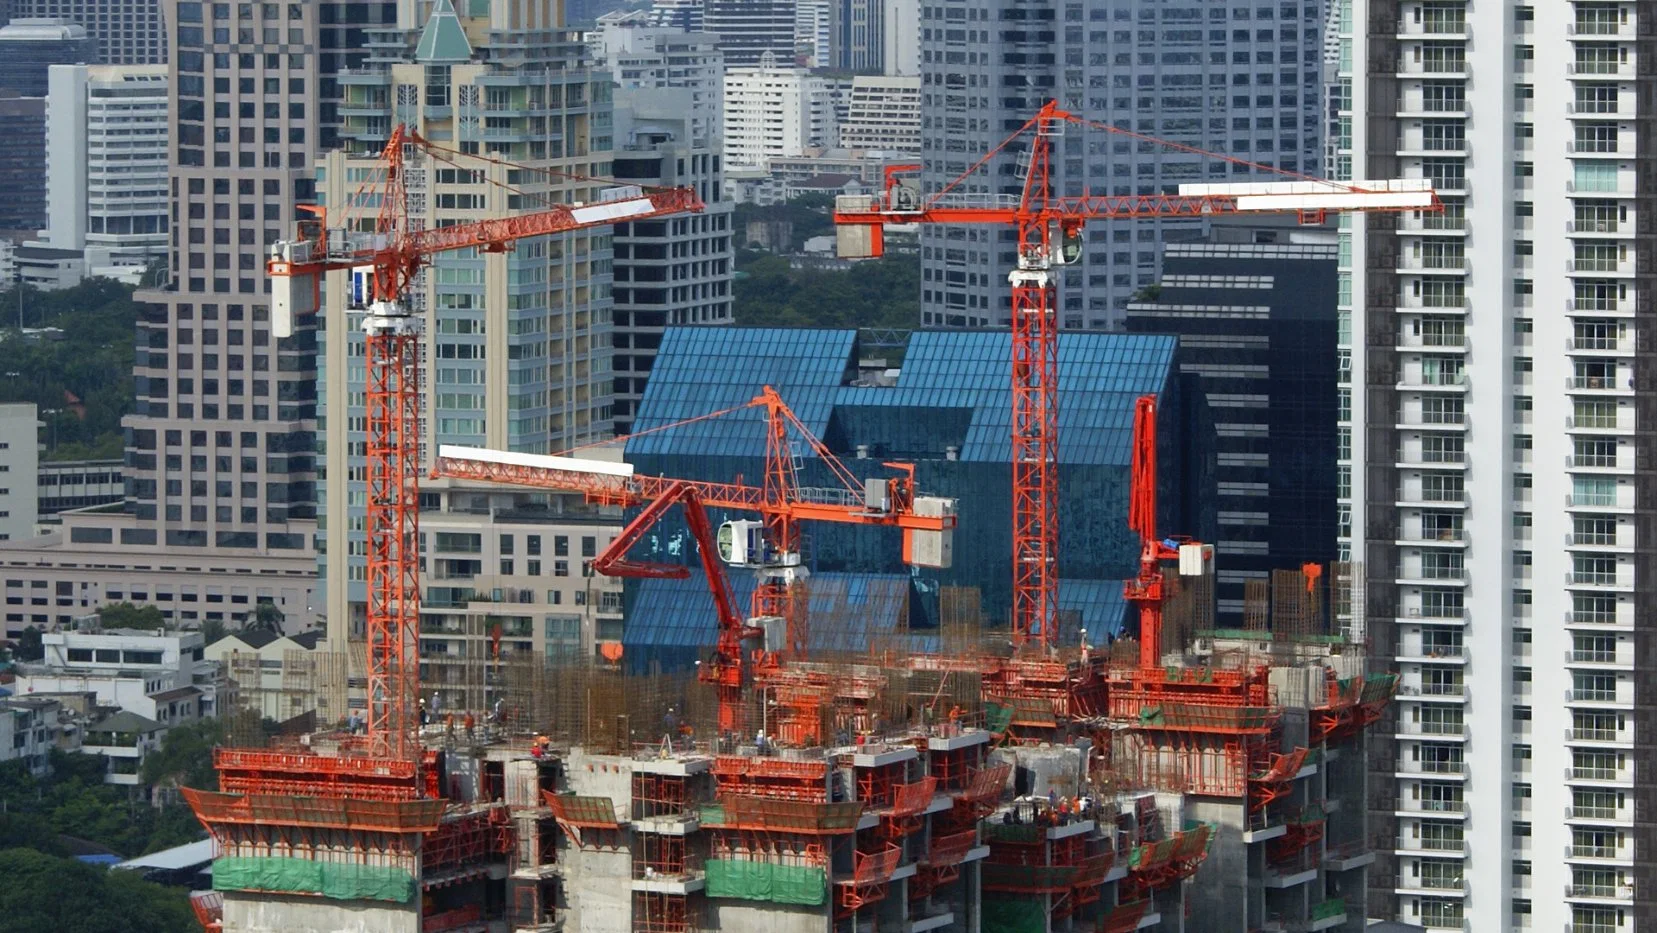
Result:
[
  {"x": 884, "y": 113},
  {"x": 772, "y": 112},
  {"x": 106, "y": 162},
  {"x": 1496, "y": 461}
]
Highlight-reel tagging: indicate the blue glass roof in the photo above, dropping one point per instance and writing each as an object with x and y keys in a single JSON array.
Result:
[
  {"x": 671, "y": 622},
  {"x": 704, "y": 369},
  {"x": 949, "y": 414}
]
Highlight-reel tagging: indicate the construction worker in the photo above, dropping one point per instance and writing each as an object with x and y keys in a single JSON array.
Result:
[
  {"x": 470, "y": 722},
  {"x": 954, "y": 720}
]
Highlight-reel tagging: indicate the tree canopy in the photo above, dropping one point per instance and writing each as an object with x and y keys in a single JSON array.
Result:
[
  {"x": 46, "y": 892},
  {"x": 74, "y": 801},
  {"x": 882, "y": 292},
  {"x": 126, "y": 615},
  {"x": 82, "y": 382},
  {"x": 185, "y": 757}
]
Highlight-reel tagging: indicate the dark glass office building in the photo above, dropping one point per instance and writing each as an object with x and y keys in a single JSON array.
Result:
[
  {"x": 1254, "y": 309},
  {"x": 947, "y": 410}
]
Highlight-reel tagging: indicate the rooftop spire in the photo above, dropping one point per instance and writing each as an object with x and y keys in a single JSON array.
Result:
[{"x": 443, "y": 39}]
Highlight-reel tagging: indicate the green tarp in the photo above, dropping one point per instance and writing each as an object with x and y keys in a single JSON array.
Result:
[
  {"x": 330, "y": 879},
  {"x": 998, "y": 717},
  {"x": 1013, "y": 915},
  {"x": 764, "y": 881}
]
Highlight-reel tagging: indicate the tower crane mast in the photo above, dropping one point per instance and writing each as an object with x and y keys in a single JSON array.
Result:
[
  {"x": 1049, "y": 229},
  {"x": 395, "y": 250}
]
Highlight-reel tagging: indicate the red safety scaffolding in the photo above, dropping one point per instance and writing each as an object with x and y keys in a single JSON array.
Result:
[
  {"x": 661, "y": 913},
  {"x": 871, "y": 873},
  {"x": 259, "y": 771},
  {"x": 590, "y": 821},
  {"x": 1157, "y": 865},
  {"x": 209, "y": 908},
  {"x": 942, "y": 862}
]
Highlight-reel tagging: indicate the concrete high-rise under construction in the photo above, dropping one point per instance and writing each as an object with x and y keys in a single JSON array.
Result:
[
  {"x": 1238, "y": 79},
  {"x": 1498, "y": 453}
]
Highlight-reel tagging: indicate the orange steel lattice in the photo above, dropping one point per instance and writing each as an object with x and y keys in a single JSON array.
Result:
[
  {"x": 397, "y": 253},
  {"x": 1049, "y": 228},
  {"x": 1124, "y": 918},
  {"x": 783, "y": 506},
  {"x": 660, "y": 855},
  {"x": 764, "y": 814},
  {"x": 658, "y": 795}
]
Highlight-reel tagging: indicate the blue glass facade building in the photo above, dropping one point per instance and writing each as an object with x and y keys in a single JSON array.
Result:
[{"x": 949, "y": 412}]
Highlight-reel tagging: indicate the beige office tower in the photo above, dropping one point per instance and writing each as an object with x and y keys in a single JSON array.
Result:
[{"x": 517, "y": 343}]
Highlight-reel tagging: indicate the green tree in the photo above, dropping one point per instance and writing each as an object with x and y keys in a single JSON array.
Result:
[
  {"x": 29, "y": 646},
  {"x": 212, "y": 630},
  {"x": 265, "y": 617},
  {"x": 44, "y": 892},
  {"x": 881, "y": 292},
  {"x": 126, "y": 615},
  {"x": 185, "y": 758}
]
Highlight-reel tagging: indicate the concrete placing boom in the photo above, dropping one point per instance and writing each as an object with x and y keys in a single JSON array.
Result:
[
  {"x": 772, "y": 547},
  {"x": 1049, "y": 234},
  {"x": 396, "y": 252}
]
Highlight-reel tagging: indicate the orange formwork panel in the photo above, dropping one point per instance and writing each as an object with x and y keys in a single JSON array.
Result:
[
  {"x": 581, "y": 811},
  {"x": 1124, "y": 918},
  {"x": 765, "y": 814},
  {"x": 209, "y": 909},
  {"x": 254, "y": 771},
  {"x": 781, "y": 778},
  {"x": 389, "y": 816},
  {"x": 871, "y": 871}
]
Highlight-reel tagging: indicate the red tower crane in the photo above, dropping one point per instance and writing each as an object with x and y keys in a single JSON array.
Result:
[
  {"x": 1145, "y": 590},
  {"x": 1049, "y": 233},
  {"x": 396, "y": 251},
  {"x": 927, "y": 523}
]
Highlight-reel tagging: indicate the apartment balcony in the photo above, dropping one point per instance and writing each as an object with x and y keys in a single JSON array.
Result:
[
  {"x": 1411, "y": 687},
  {"x": 1599, "y": 737},
  {"x": 1432, "y": 66},
  {"x": 1621, "y": 500},
  {"x": 1622, "y": 383},
  {"x": 1632, "y": 304},
  {"x": 1622, "y": 618},
  {"x": 1601, "y": 267},
  {"x": 1436, "y": 27},
  {"x": 1623, "y": 108},
  {"x": 1598, "y": 29},
  {"x": 1413, "y": 103},
  {"x": 1621, "y": 579},
  {"x": 1600, "y": 893},
  {"x": 1599, "y": 853},
  {"x": 1413, "y": 648},
  {"x": 1621, "y": 186},
  {"x": 1413, "y": 222},
  {"x": 1601, "y": 70},
  {"x": 1600, "y": 815},
  {"x": 1620, "y": 539},
  {"x": 1430, "y": 846},
  {"x": 1439, "y": 809},
  {"x": 1623, "y": 422},
  {"x": 1448, "y": 731},
  {"x": 1432, "y": 616},
  {"x": 1455, "y": 538},
  {"x": 1622, "y": 343},
  {"x": 1435, "y": 265},
  {"x": 1413, "y": 456},
  {"x": 1623, "y": 147},
  {"x": 1447, "y": 342}
]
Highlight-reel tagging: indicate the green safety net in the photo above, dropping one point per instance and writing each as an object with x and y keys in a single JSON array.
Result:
[
  {"x": 997, "y": 717},
  {"x": 1013, "y": 915},
  {"x": 1334, "y": 907},
  {"x": 343, "y": 881},
  {"x": 764, "y": 881}
]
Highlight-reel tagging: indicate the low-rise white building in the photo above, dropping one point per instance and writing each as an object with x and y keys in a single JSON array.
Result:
[
  {"x": 152, "y": 674},
  {"x": 30, "y": 727},
  {"x": 125, "y": 739}
]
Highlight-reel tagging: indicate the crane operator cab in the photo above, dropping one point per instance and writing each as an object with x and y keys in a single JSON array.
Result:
[{"x": 1066, "y": 245}]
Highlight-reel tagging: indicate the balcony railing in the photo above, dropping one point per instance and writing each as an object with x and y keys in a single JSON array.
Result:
[
  {"x": 1591, "y": 382},
  {"x": 1591, "y": 735}
]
